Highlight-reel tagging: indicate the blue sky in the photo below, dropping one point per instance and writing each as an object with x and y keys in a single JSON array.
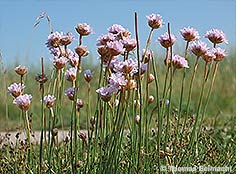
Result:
[{"x": 20, "y": 41}]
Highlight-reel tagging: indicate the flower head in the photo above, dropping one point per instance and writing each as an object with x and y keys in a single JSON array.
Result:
[
  {"x": 179, "y": 62},
  {"x": 71, "y": 74},
  {"x": 70, "y": 93},
  {"x": 88, "y": 75},
  {"x": 23, "y": 101},
  {"x": 155, "y": 21},
  {"x": 106, "y": 93},
  {"x": 117, "y": 80},
  {"x": 60, "y": 62},
  {"x": 115, "y": 47},
  {"x": 66, "y": 38},
  {"x": 167, "y": 41},
  {"x": 15, "y": 89},
  {"x": 216, "y": 36},
  {"x": 81, "y": 50},
  {"x": 219, "y": 53},
  {"x": 129, "y": 44},
  {"x": 189, "y": 34},
  {"x": 116, "y": 28},
  {"x": 199, "y": 48},
  {"x": 102, "y": 40},
  {"x": 54, "y": 40},
  {"x": 209, "y": 56},
  {"x": 21, "y": 70},
  {"x": 83, "y": 29},
  {"x": 49, "y": 100}
]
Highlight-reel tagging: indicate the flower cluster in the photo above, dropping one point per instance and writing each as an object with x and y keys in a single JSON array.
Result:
[
  {"x": 118, "y": 40},
  {"x": 16, "y": 90}
]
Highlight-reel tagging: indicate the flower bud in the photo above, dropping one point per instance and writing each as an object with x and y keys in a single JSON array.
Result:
[
  {"x": 150, "y": 78},
  {"x": 150, "y": 99},
  {"x": 137, "y": 119}
]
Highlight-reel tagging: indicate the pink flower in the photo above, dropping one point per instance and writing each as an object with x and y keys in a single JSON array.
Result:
[
  {"x": 209, "y": 56},
  {"x": 219, "y": 53},
  {"x": 199, "y": 48},
  {"x": 71, "y": 74},
  {"x": 165, "y": 41},
  {"x": 115, "y": 29},
  {"x": 23, "y": 101},
  {"x": 59, "y": 63},
  {"x": 102, "y": 40},
  {"x": 49, "y": 100},
  {"x": 83, "y": 29},
  {"x": 129, "y": 44},
  {"x": 179, "y": 62},
  {"x": 54, "y": 40},
  {"x": 117, "y": 80},
  {"x": 15, "y": 89},
  {"x": 189, "y": 34},
  {"x": 66, "y": 38},
  {"x": 155, "y": 21},
  {"x": 106, "y": 93},
  {"x": 115, "y": 47},
  {"x": 70, "y": 93},
  {"x": 216, "y": 36}
]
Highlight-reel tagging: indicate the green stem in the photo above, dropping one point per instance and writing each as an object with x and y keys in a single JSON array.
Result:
[
  {"x": 199, "y": 107},
  {"x": 189, "y": 98}
]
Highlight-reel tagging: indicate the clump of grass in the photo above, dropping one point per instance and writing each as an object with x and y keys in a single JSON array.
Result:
[{"x": 136, "y": 122}]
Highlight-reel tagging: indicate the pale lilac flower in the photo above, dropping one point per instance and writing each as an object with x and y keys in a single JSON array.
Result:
[
  {"x": 209, "y": 56},
  {"x": 106, "y": 93},
  {"x": 21, "y": 70},
  {"x": 219, "y": 53},
  {"x": 49, "y": 100},
  {"x": 83, "y": 29},
  {"x": 165, "y": 41},
  {"x": 129, "y": 44},
  {"x": 23, "y": 101},
  {"x": 199, "y": 48},
  {"x": 88, "y": 75},
  {"x": 102, "y": 40},
  {"x": 74, "y": 60},
  {"x": 70, "y": 93},
  {"x": 71, "y": 74},
  {"x": 124, "y": 67},
  {"x": 115, "y": 47},
  {"x": 60, "y": 62},
  {"x": 117, "y": 80},
  {"x": 179, "y": 62},
  {"x": 115, "y": 29},
  {"x": 155, "y": 21},
  {"x": 54, "y": 40},
  {"x": 66, "y": 38},
  {"x": 15, "y": 89},
  {"x": 189, "y": 34},
  {"x": 216, "y": 36}
]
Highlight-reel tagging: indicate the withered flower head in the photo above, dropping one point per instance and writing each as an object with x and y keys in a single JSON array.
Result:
[
  {"x": 81, "y": 50},
  {"x": 21, "y": 70}
]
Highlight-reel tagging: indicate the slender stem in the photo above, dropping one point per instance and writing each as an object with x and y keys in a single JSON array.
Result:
[
  {"x": 189, "y": 97},
  {"x": 199, "y": 107},
  {"x": 170, "y": 92},
  {"x": 209, "y": 94},
  {"x": 147, "y": 44},
  {"x": 140, "y": 93},
  {"x": 42, "y": 120},
  {"x": 28, "y": 136}
]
